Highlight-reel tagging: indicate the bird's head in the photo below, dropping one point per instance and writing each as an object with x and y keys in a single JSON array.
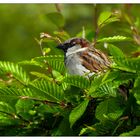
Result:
[{"x": 74, "y": 44}]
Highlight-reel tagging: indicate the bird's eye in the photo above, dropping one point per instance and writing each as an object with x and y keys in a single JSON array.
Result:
[{"x": 73, "y": 43}]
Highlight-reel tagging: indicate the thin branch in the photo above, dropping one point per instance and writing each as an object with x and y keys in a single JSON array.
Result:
[
  {"x": 95, "y": 17},
  {"x": 40, "y": 44},
  {"x": 58, "y": 7},
  {"x": 120, "y": 123},
  {"x": 95, "y": 24},
  {"x": 24, "y": 120},
  {"x": 9, "y": 114},
  {"x": 43, "y": 101},
  {"x": 83, "y": 32},
  {"x": 95, "y": 37}
]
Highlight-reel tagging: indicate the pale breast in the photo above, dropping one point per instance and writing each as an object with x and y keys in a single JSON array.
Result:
[{"x": 74, "y": 65}]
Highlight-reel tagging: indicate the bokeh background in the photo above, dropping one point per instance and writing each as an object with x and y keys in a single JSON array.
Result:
[{"x": 20, "y": 24}]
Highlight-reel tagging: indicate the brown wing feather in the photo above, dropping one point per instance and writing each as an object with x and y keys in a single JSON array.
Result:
[{"x": 95, "y": 61}]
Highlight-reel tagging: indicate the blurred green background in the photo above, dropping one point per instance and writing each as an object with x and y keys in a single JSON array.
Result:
[{"x": 20, "y": 24}]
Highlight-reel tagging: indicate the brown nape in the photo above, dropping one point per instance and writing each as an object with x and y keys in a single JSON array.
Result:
[
  {"x": 81, "y": 41},
  {"x": 84, "y": 43}
]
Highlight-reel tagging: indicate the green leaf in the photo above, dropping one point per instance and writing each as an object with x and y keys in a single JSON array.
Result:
[
  {"x": 5, "y": 107},
  {"x": 137, "y": 22},
  {"x": 86, "y": 130},
  {"x": 56, "y": 62},
  {"x": 108, "y": 109},
  {"x": 103, "y": 128},
  {"x": 128, "y": 64},
  {"x": 95, "y": 84},
  {"x": 134, "y": 132},
  {"x": 56, "y": 18},
  {"x": 9, "y": 95},
  {"x": 105, "y": 89},
  {"x": 115, "y": 52},
  {"x": 132, "y": 64},
  {"x": 51, "y": 90},
  {"x": 123, "y": 63},
  {"x": 123, "y": 78},
  {"x": 15, "y": 70},
  {"x": 136, "y": 90},
  {"x": 51, "y": 57},
  {"x": 43, "y": 108},
  {"x": 110, "y": 76},
  {"x": 137, "y": 82},
  {"x": 100, "y": 87},
  {"x": 77, "y": 112},
  {"x": 31, "y": 93},
  {"x": 24, "y": 108},
  {"x": 83, "y": 131},
  {"x": 24, "y": 105},
  {"x": 99, "y": 129},
  {"x": 41, "y": 75},
  {"x": 117, "y": 38},
  {"x": 31, "y": 62},
  {"x": 104, "y": 85},
  {"x": 104, "y": 16},
  {"x": 46, "y": 50},
  {"x": 57, "y": 75},
  {"x": 78, "y": 81},
  {"x": 6, "y": 121},
  {"x": 57, "y": 65},
  {"x": 63, "y": 129},
  {"x": 137, "y": 95},
  {"x": 111, "y": 19}
]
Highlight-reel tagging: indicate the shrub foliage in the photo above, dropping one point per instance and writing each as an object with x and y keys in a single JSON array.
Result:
[{"x": 46, "y": 101}]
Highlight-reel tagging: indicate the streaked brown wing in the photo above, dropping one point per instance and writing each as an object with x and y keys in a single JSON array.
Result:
[{"x": 94, "y": 60}]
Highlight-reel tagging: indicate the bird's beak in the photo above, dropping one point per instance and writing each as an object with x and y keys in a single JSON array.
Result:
[{"x": 60, "y": 46}]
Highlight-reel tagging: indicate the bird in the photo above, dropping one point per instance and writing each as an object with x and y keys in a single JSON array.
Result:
[{"x": 82, "y": 58}]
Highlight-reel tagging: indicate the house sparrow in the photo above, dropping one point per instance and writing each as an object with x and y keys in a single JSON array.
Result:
[{"x": 81, "y": 58}]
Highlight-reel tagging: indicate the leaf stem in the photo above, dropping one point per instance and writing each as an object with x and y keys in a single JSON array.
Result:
[
  {"x": 43, "y": 101},
  {"x": 120, "y": 123},
  {"x": 9, "y": 114},
  {"x": 58, "y": 7},
  {"x": 95, "y": 24}
]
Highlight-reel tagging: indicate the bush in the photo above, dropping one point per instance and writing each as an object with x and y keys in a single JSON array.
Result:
[{"x": 44, "y": 100}]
